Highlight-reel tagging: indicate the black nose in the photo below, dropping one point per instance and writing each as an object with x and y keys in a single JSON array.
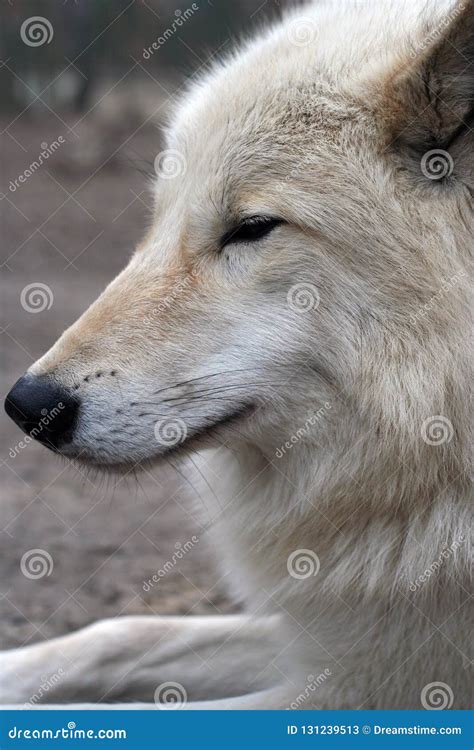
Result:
[{"x": 43, "y": 409}]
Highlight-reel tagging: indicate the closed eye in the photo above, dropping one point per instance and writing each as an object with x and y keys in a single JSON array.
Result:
[{"x": 250, "y": 230}]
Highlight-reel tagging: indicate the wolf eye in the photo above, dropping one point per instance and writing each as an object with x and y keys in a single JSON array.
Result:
[{"x": 250, "y": 230}]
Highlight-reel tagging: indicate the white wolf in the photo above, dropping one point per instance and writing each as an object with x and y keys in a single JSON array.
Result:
[{"x": 302, "y": 297}]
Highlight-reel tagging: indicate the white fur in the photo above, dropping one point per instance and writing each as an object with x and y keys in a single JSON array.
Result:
[{"x": 294, "y": 131}]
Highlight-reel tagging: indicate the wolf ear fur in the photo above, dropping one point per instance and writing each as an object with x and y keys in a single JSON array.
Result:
[{"x": 432, "y": 97}]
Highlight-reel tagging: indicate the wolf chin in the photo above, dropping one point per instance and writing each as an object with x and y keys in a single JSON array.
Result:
[{"x": 312, "y": 207}]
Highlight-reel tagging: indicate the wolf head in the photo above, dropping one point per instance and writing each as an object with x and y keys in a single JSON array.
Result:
[{"x": 308, "y": 251}]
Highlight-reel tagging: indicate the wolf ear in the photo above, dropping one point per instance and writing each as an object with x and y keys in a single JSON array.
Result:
[{"x": 432, "y": 98}]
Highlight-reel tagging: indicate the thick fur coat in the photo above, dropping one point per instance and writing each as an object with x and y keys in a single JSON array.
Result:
[{"x": 329, "y": 353}]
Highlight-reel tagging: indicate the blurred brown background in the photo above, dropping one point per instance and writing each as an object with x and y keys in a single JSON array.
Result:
[{"x": 81, "y": 82}]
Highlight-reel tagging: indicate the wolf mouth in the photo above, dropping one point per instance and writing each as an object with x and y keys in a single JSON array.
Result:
[
  {"x": 190, "y": 442},
  {"x": 230, "y": 418}
]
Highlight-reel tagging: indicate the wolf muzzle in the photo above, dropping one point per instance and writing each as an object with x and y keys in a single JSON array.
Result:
[{"x": 44, "y": 409}]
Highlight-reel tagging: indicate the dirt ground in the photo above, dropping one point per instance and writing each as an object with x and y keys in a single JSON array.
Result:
[{"x": 71, "y": 225}]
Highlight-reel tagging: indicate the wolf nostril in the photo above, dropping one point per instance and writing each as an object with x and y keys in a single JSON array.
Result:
[{"x": 43, "y": 409}]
